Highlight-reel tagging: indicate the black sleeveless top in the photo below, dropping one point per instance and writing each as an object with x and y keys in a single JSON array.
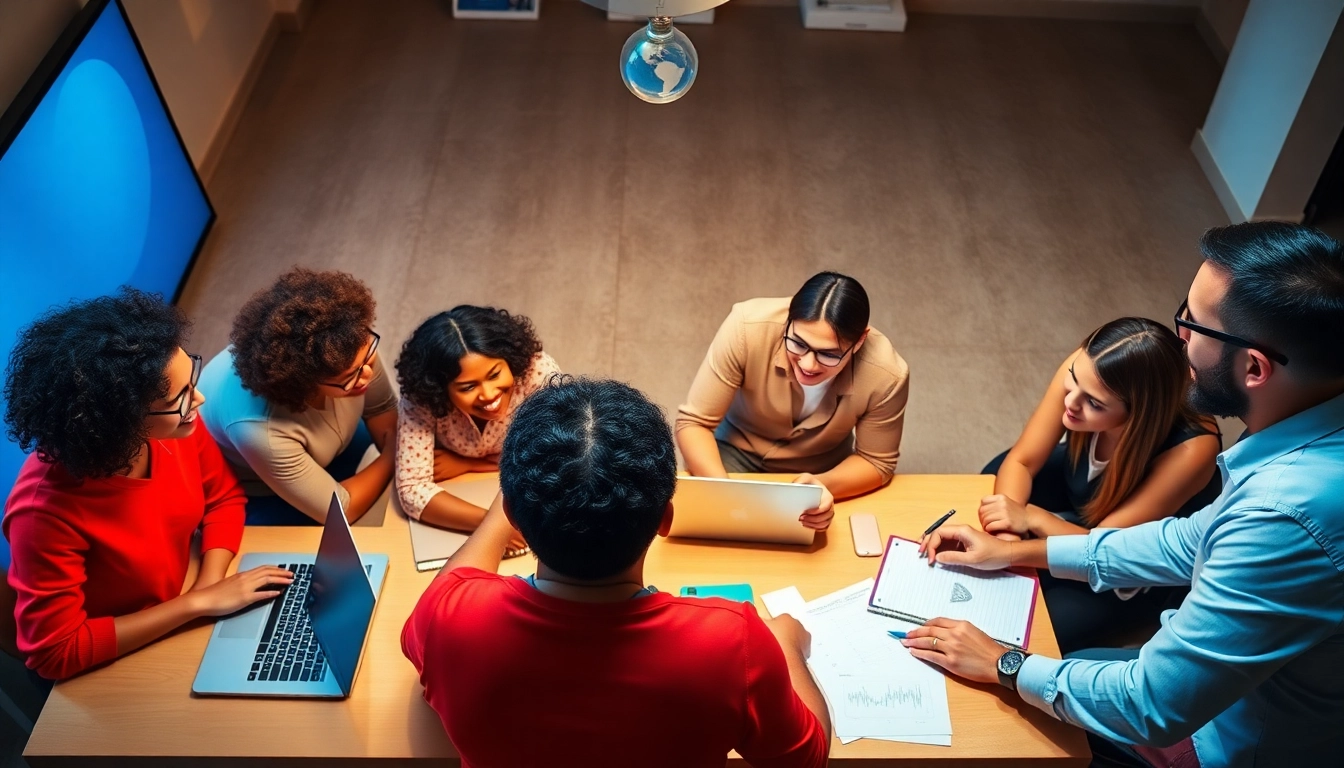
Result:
[{"x": 1081, "y": 491}]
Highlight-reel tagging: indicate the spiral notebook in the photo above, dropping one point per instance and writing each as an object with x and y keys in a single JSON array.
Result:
[{"x": 1001, "y": 603}]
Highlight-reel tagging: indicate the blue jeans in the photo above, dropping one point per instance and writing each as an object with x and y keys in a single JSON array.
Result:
[{"x": 273, "y": 510}]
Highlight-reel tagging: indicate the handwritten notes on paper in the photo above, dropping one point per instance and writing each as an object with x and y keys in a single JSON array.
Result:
[{"x": 873, "y": 686}]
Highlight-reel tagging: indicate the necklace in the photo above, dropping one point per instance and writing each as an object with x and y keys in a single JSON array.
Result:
[{"x": 587, "y": 592}]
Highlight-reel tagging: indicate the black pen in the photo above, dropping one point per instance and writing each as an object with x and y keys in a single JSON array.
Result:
[{"x": 937, "y": 523}]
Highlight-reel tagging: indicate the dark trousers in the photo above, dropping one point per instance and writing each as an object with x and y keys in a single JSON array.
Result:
[
  {"x": 273, "y": 510},
  {"x": 1083, "y": 618}
]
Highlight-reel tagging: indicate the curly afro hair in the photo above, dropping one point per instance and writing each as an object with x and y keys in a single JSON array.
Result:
[
  {"x": 430, "y": 358},
  {"x": 306, "y": 328},
  {"x": 81, "y": 379},
  {"x": 587, "y": 470}
]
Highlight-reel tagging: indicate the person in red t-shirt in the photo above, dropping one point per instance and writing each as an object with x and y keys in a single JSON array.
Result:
[
  {"x": 612, "y": 672},
  {"x": 101, "y": 517}
]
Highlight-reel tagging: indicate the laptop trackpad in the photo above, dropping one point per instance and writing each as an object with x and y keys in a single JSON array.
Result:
[{"x": 245, "y": 625}]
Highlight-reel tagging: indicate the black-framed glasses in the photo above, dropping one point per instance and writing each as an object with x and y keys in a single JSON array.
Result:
[
  {"x": 799, "y": 347},
  {"x": 188, "y": 393},
  {"x": 349, "y": 383},
  {"x": 1183, "y": 320}
]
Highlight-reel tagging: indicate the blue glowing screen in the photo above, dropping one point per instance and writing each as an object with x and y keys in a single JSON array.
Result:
[{"x": 96, "y": 191}]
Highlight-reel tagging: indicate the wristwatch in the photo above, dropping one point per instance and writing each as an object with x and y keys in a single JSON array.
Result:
[{"x": 1009, "y": 664}]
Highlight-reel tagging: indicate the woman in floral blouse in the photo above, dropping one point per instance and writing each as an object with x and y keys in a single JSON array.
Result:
[{"x": 463, "y": 373}]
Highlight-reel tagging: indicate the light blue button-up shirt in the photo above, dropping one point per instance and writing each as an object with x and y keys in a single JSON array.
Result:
[{"x": 1252, "y": 664}]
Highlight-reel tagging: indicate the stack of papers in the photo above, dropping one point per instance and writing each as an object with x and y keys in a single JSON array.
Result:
[{"x": 874, "y": 688}]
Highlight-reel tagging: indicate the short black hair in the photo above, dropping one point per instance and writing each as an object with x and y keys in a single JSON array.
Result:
[
  {"x": 587, "y": 470},
  {"x": 82, "y": 378},
  {"x": 431, "y": 357},
  {"x": 838, "y": 299},
  {"x": 1286, "y": 291}
]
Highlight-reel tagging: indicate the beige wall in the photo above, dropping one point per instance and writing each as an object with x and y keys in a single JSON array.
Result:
[
  {"x": 27, "y": 29},
  {"x": 1223, "y": 18},
  {"x": 200, "y": 51}
]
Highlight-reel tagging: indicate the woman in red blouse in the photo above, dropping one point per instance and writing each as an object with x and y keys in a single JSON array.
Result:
[{"x": 101, "y": 517}]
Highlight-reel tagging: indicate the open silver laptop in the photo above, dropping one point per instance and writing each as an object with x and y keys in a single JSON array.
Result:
[
  {"x": 742, "y": 510},
  {"x": 309, "y": 640}
]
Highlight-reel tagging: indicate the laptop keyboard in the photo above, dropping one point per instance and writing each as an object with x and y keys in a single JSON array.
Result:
[{"x": 289, "y": 650}]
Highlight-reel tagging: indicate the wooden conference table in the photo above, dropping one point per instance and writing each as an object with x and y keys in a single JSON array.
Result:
[{"x": 140, "y": 711}]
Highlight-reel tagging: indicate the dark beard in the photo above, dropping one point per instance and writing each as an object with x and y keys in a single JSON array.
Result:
[{"x": 1215, "y": 392}]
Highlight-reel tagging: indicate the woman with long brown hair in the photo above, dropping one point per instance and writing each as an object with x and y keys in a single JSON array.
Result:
[{"x": 1132, "y": 451}]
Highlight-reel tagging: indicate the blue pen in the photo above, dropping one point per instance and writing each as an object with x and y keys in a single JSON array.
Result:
[{"x": 896, "y": 634}]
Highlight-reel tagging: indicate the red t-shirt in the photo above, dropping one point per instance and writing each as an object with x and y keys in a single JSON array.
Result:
[
  {"x": 520, "y": 678},
  {"x": 84, "y": 553}
]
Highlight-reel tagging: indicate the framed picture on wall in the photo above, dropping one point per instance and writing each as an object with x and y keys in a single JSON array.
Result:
[{"x": 496, "y": 9}]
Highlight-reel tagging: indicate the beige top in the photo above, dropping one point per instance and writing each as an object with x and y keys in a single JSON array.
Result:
[
  {"x": 276, "y": 451},
  {"x": 418, "y": 432},
  {"x": 745, "y": 391}
]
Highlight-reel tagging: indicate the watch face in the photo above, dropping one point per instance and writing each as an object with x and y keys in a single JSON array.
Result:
[{"x": 1011, "y": 661}]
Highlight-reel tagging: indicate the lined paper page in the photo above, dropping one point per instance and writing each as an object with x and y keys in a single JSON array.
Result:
[{"x": 998, "y": 602}]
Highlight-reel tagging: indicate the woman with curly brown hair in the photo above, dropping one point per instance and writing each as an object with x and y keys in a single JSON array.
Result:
[
  {"x": 289, "y": 398},
  {"x": 463, "y": 373},
  {"x": 120, "y": 478}
]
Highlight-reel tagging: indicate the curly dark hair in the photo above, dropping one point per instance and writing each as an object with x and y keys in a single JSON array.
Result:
[
  {"x": 307, "y": 327},
  {"x": 82, "y": 377},
  {"x": 587, "y": 470},
  {"x": 430, "y": 359}
]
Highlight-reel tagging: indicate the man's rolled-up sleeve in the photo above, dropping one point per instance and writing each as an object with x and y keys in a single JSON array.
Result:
[{"x": 1247, "y": 615}]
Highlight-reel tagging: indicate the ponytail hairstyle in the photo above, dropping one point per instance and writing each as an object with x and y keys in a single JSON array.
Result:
[
  {"x": 838, "y": 299},
  {"x": 1143, "y": 362}
]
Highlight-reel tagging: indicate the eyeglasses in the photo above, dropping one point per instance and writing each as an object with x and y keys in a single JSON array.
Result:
[
  {"x": 187, "y": 395},
  {"x": 1182, "y": 321},
  {"x": 799, "y": 347},
  {"x": 349, "y": 383}
]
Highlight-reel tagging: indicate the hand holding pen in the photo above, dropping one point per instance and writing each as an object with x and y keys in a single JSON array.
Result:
[{"x": 936, "y": 525}]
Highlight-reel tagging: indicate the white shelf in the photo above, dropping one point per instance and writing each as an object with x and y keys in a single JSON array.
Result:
[{"x": 820, "y": 17}]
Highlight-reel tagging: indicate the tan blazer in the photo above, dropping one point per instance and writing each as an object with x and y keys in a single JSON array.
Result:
[{"x": 745, "y": 391}]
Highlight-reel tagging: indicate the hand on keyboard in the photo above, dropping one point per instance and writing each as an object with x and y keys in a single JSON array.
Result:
[
  {"x": 288, "y": 650},
  {"x": 241, "y": 590}
]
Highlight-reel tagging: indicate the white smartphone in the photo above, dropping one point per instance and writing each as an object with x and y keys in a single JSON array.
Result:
[{"x": 867, "y": 541}]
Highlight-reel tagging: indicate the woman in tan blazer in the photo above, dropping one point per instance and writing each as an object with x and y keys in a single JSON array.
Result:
[{"x": 799, "y": 385}]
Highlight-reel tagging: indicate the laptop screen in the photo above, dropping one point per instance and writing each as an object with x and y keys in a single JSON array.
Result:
[{"x": 340, "y": 601}]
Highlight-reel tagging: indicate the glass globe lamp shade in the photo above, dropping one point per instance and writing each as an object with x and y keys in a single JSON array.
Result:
[{"x": 658, "y": 62}]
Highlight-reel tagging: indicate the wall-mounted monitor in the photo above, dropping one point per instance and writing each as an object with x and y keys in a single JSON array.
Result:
[{"x": 96, "y": 187}]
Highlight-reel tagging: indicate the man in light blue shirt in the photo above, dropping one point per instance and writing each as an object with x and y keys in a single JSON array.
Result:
[{"x": 1250, "y": 669}]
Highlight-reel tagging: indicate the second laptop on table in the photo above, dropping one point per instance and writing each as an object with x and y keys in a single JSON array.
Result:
[{"x": 743, "y": 510}]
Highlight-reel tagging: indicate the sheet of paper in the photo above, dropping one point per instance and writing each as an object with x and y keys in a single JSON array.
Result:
[
  {"x": 787, "y": 600},
  {"x": 873, "y": 686},
  {"x": 998, "y": 602},
  {"x": 944, "y": 740},
  {"x": 482, "y": 492}
]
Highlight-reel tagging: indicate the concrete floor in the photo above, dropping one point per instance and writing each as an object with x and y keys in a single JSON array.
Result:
[{"x": 1000, "y": 186}]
